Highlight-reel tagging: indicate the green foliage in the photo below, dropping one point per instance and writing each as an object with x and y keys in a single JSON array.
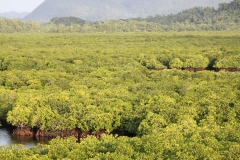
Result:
[
  {"x": 22, "y": 119},
  {"x": 151, "y": 62},
  {"x": 95, "y": 119},
  {"x": 232, "y": 61},
  {"x": 153, "y": 124},
  {"x": 59, "y": 82},
  {"x": 196, "y": 61},
  {"x": 7, "y": 98},
  {"x": 176, "y": 63}
]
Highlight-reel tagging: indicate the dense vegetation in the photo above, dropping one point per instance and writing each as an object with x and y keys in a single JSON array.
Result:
[
  {"x": 59, "y": 82},
  {"x": 68, "y": 21},
  {"x": 226, "y": 17}
]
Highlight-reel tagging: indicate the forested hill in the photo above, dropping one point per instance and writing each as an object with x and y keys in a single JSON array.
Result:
[
  {"x": 225, "y": 15},
  {"x": 93, "y": 10}
]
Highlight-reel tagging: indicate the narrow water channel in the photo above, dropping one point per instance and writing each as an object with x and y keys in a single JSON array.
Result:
[{"x": 6, "y": 138}]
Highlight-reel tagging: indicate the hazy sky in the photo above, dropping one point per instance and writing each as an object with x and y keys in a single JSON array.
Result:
[{"x": 19, "y": 5}]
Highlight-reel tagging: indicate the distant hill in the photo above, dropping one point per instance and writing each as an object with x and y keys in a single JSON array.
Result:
[
  {"x": 93, "y": 10},
  {"x": 14, "y": 14}
]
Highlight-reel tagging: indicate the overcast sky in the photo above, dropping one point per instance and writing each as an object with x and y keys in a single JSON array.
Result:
[{"x": 19, "y": 5}]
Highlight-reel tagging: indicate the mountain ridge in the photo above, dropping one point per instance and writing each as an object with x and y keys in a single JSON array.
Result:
[
  {"x": 93, "y": 10},
  {"x": 13, "y": 14}
]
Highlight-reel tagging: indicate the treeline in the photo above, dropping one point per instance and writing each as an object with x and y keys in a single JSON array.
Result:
[
  {"x": 56, "y": 26},
  {"x": 226, "y": 17},
  {"x": 56, "y": 83},
  {"x": 175, "y": 146},
  {"x": 67, "y": 21}
]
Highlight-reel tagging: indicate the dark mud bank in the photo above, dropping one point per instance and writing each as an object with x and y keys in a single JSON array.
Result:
[
  {"x": 41, "y": 134},
  {"x": 190, "y": 69}
]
